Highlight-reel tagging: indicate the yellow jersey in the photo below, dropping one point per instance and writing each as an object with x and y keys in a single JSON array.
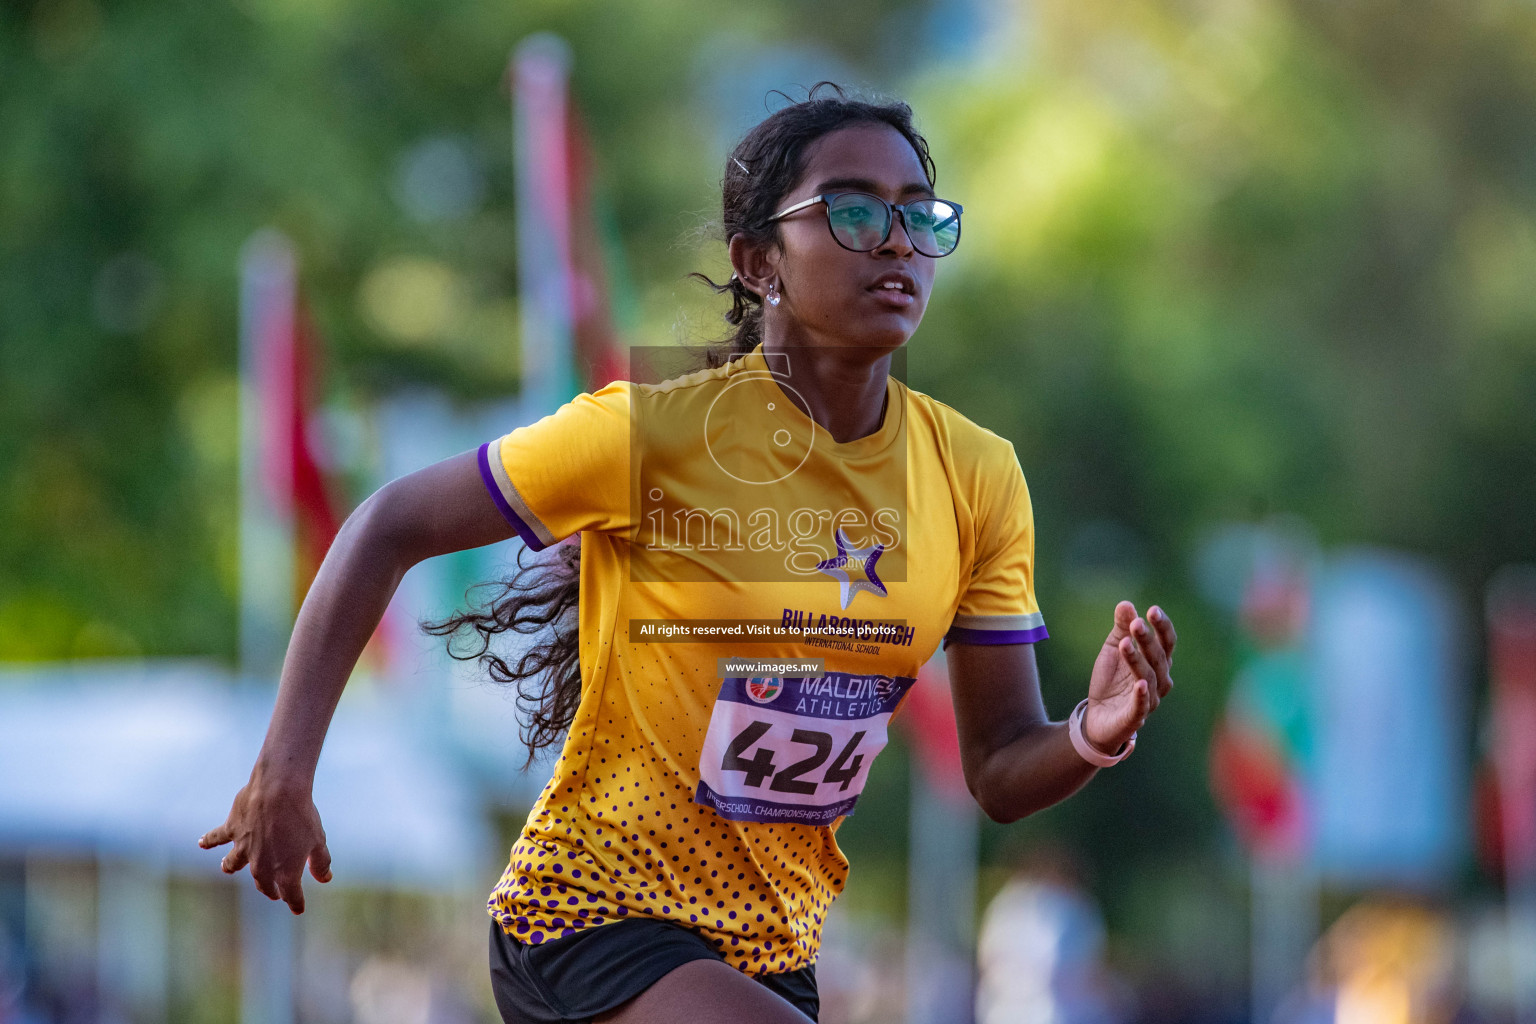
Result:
[{"x": 756, "y": 600}]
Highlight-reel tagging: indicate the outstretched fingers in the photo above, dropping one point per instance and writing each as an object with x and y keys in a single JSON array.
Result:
[
  {"x": 267, "y": 832},
  {"x": 1125, "y": 614},
  {"x": 1149, "y": 643},
  {"x": 267, "y": 887},
  {"x": 1165, "y": 631},
  {"x": 1141, "y": 668},
  {"x": 320, "y": 862},
  {"x": 1156, "y": 637},
  {"x": 216, "y": 836},
  {"x": 1132, "y": 719},
  {"x": 291, "y": 889},
  {"x": 281, "y": 881},
  {"x": 235, "y": 859}
]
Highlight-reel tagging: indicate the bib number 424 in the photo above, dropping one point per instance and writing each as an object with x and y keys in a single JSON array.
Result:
[{"x": 791, "y": 778}]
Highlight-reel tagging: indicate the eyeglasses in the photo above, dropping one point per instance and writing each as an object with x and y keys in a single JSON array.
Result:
[{"x": 862, "y": 222}]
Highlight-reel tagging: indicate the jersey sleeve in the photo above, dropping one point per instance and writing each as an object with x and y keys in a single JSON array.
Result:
[
  {"x": 567, "y": 472},
  {"x": 998, "y": 604}
]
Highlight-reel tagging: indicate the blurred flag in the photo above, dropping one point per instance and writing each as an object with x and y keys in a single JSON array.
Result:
[
  {"x": 290, "y": 515},
  {"x": 1262, "y": 745},
  {"x": 598, "y": 281},
  {"x": 316, "y": 515},
  {"x": 565, "y": 260},
  {"x": 1508, "y": 785}
]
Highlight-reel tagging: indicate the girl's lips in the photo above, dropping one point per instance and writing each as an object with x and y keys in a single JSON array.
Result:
[{"x": 894, "y": 297}]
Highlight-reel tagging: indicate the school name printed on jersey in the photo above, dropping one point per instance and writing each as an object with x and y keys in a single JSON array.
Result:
[
  {"x": 866, "y": 630},
  {"x": 787, "y": 749}
]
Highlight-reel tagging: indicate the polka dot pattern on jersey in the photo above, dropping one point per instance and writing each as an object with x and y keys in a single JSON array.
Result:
[{"x": 616, "y": 833}]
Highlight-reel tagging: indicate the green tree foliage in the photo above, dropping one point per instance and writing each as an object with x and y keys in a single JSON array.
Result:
[
  {"x": 1226, "y": 260},
  {"x": 144, "y": 143}
]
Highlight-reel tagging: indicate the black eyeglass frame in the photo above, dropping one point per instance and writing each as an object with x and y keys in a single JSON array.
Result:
[{"x": 892, "y": 211}]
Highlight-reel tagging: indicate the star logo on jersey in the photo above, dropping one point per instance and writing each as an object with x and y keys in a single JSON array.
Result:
[{"x": 853, "y": 568}]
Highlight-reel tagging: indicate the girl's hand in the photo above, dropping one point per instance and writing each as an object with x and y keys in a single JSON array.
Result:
[
  {"x": 1130, "y": 676},
  {"x": 273, "y": 824},
  {"x": 275, "y": 829}
]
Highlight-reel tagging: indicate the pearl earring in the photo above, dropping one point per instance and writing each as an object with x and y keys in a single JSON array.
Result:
[{"x": 773, "y": 294}]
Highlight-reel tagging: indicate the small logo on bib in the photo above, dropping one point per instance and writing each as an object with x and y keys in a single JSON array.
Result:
[{"x": 763, "y": 689}]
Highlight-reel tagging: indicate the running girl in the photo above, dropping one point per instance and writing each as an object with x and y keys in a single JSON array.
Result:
[{"x": 682, "y": 859}]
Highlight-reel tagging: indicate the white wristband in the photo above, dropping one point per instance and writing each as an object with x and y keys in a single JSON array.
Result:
[{"x": 1087, "y": 751}]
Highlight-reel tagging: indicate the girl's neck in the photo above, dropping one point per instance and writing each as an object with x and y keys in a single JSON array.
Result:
[{"x": 842, "y": 389}]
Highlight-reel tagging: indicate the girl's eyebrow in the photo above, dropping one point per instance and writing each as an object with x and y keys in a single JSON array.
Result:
[{"x": 868, "y": 185}]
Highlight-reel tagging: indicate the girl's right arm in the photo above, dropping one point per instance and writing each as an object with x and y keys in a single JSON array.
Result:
[{"x": 273, "y": 825}]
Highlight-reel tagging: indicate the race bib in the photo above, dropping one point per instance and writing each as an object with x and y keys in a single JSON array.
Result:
[{"x": 796, "y": 750}]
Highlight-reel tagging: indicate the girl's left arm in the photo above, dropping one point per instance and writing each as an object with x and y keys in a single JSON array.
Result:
[{"x": 1016, "y": 760}]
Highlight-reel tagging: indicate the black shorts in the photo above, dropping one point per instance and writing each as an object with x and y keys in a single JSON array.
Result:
[{"x": 574, "y": 978}]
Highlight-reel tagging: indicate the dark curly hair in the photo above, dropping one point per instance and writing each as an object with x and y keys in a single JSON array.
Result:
[{"x": 542, "y": 595}]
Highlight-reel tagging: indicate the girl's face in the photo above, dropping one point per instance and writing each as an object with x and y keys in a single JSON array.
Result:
[{"x": 831, "y": 296}]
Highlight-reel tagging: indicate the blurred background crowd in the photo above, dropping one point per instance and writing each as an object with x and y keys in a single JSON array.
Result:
[{"x": 1249, "y": 284}]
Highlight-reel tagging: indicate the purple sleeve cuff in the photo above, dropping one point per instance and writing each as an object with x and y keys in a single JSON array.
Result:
[
  {"x": 960, "y": 634},
  {"x": 523, "y": 530}
]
